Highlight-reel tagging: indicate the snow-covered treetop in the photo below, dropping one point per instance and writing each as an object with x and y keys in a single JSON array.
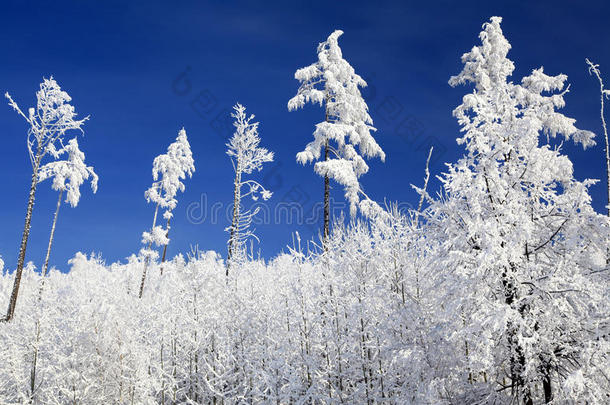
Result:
[
  {"x": 512, "y": 193},
  {"x": 168, "y": 171},
  {"x": 487, "y": 65},
  {"x": 332, "y": 81},
  {"x": 496, "y": 102},
  {"x": 510, "y": 167},
  {"x": 243, "y": 148},
  {"x": 68, "y": 175},
  {"x": 50, "y": 120}
]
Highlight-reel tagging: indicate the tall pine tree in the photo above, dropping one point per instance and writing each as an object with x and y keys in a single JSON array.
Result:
[
  {"x": 344, "y": 136},
  {"x": 518, "y": 234}
]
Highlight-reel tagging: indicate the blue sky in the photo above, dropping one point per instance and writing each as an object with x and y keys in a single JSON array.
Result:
[{"x": 144, "y": 69}]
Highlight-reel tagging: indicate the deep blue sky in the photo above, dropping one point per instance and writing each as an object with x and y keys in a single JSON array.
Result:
[{"x": 121, "y": 62}]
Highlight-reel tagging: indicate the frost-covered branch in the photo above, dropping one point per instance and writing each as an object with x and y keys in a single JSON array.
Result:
[{"x": 68, "y": 175}]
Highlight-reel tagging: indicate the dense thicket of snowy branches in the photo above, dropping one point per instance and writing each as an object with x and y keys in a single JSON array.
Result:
[
  {"x": 363, "y": 322},
  {"x": 351, "y": 325},
  {"x": 494, "y": 291}
]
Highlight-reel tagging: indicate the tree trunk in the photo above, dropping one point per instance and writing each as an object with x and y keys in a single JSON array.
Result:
[
  {"x": 43, "y": 275},
  {"x": 235, "y": 221},
  {"x": 326, "y": 188},
  {"x": 547, "y": 384},
  {"x": 517, "y": 355},
  {"x": 165, "y": 247},
  {"x": 147, "y": 260},
  {"x": 34, "y": 362},
  {"x": 46, "y": 260},
  {"x": 548, "y": 391},
  {"x": 326, "y": 201},
  {"x": 24, "y": 239}
]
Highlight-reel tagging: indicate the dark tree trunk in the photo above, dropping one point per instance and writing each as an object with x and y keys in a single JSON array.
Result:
[
  {"x": 546, "y": 384},
  {"x": 235, "y": 220},
  {"x": 517, "y": 357},
  {"x": 326, "y": 185},
  {"x": 326, "y": 201},
  {"x": 24, "y": 239}
]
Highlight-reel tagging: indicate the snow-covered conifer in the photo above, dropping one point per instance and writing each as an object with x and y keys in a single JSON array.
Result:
[
  {"x": 246, "y": 156},
  {"x": 169, "y": 170},
  {"x": 345, "y": 134},
  {"x": 517, "y": 232},
  {"x": 48, "y": 123}
]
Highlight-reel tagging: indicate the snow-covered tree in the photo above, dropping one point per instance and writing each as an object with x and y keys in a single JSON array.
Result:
[
  {"x": 518, "y": 237},
  {"x": 246, "y": 156},
  {"x": 345, "y": 134},
  {"x": 169, "y": 170},
  {"x": 68, "y": 175},
  {"x": 48, "y": 123}
]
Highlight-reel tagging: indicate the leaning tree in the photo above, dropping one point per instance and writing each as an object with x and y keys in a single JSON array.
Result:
[
  {"x": 48, "y": 123},
  {"x": 169, "y": 169}
]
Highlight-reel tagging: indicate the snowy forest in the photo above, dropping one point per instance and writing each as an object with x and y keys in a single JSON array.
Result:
[{"x": 493, "y": 289}]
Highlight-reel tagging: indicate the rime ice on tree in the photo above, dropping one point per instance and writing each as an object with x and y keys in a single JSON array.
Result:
[
  {"x": 345, "y": 134},
  {"x": 168, "y": 171},
  {"x": 246, "y": 157},
  {"x": 516, "y": 230},
  {"x": 48, "y": 123},
  {"x": 68, "y": 175}
]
